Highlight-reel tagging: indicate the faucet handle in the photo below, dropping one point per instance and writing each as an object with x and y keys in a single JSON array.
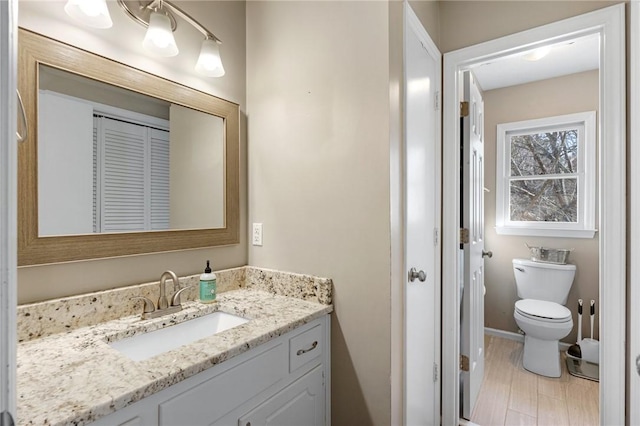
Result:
[
  {"x": 175, "y": 300},
  {"x": 148, "y": 304}
]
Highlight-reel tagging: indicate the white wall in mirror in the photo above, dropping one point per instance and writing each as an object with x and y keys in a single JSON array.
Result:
[
  {"x": 65, "y": 166},
  {"x": 196, "y": 155}
]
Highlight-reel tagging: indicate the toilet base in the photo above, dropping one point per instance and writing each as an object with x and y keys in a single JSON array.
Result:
[{"x": 541, "y": 356}]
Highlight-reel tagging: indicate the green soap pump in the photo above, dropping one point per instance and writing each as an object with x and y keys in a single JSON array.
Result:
[{"x": 208, "y": 286}]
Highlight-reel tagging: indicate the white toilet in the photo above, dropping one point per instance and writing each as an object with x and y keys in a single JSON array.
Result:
[{"x": 543, "y": 289}]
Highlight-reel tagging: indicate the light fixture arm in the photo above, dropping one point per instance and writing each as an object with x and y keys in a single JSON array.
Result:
[{"x": 184, "y": 15}]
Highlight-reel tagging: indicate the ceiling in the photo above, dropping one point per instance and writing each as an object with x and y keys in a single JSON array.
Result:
[{"x": 567, "y": 57}]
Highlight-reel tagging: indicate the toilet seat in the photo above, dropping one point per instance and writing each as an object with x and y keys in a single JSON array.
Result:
[{"x": 543, "y": 311}]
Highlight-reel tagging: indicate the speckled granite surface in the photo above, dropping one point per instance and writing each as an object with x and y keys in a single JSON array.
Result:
[
  {"x": 306, "y": 287},
  {"x": 43, "y": 319},
  {"x": 75, "y": 377}
]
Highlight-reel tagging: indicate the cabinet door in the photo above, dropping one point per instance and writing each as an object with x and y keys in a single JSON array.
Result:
[{"x": 302, "y": 403}]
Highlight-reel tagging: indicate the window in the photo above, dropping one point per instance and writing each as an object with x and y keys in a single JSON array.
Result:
[{"x": 545, "y": 177}]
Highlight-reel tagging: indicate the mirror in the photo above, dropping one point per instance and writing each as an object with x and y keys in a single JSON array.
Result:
[
  {"x": 112, "y": 160},
  {"x": 119, "y": 161}
]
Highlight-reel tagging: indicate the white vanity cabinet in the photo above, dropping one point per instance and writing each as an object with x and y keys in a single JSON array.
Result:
[
  {"x": 282, "y": 382},
  {"x": 300, "y": 403}
]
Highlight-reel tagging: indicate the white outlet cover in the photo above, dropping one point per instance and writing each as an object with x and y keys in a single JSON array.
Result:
[{"x": 256, "y": 234}]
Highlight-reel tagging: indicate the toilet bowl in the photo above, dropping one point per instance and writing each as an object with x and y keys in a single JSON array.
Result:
[
  {"x": 540, "y": 314},
  {"x": 544, "y": 324}
]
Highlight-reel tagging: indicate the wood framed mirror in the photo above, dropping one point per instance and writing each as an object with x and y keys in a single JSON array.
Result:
[{"x": 185, "y": 188}]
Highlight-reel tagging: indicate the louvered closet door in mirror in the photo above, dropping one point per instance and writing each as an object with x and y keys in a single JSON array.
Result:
[{"x": 129, "y": 155}]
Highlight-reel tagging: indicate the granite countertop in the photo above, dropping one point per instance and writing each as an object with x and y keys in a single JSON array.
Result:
[{"x": 75, "y": 377}]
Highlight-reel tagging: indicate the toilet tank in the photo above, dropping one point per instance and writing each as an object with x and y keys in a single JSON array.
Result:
[{"x": 543, "y": 281}]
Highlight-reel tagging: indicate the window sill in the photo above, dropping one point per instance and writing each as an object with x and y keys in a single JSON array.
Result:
[{"x": 539, "y": 232}]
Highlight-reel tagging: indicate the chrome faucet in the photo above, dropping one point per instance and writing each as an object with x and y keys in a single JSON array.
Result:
[{"x": 163, "y": 308}]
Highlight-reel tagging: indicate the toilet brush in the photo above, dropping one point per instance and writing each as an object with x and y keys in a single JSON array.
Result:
[
  {"x": 590, "y": 347},
  {"x": 593, "y": 314},
  {"x": 574, "y": 350}
]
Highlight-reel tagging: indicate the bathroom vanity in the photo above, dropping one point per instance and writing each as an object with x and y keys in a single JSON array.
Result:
[
  {"x": 283, "y": 381},
  {"x": 275, "y": 367}
]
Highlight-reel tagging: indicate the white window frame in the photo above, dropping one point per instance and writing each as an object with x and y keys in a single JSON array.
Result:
[{"x": 586, "y": 176}]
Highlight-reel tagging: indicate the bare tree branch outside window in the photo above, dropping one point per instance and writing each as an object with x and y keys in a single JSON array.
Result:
[{"x": 544, "y": 182}]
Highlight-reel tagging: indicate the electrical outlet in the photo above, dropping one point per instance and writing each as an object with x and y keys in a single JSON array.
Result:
[{"x": 256, "y": 235}]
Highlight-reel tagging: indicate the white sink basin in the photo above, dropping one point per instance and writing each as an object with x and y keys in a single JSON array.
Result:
[{"x": 147, "y": 345}]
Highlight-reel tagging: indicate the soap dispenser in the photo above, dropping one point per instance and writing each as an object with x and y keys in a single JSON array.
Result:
[{"x": 208, "y": 286}]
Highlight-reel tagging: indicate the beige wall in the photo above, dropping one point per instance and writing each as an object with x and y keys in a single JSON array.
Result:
[
  {"x": 428, "y": 11},
  {"x": 196, "y": 188},
  {"x": 318, "y": 108},
  {"x": 227, "y": 21},
  {"x": 558, "y": 96}
]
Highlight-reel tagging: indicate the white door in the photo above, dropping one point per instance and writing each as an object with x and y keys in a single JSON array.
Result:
[
  {"x": 472, "y": 205},
  {"x": 422, "y": 201},
  {"x": 8, "y": 203}
]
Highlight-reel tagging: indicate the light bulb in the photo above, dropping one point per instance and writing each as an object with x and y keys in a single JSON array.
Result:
[
  {"x": 209, "y": 62},
  {"x": 159, "y": 37},
  {"x": 93, "y": 13},
  {"x": 538, "y": 53}
]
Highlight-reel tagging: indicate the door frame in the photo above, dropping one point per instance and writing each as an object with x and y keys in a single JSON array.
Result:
[
  {"x": 610, "y": 23},
  {"x": 634, "y": 211},
  {"x": 8, "y": 207}
]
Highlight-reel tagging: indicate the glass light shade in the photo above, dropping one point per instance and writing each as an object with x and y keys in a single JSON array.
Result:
[
  {"x": 93, "y": 13},
  {"x": 209, "y": 62},
  {"x": 159, "y": 37}
]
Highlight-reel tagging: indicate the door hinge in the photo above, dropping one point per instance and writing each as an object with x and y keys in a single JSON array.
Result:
[
  {"x": 464, "y": 109},
  {"x": 435, "y": 372},
  {"x": 435, "y": 236},
  {"x": 464, "y": 236},
  {"x": 464, "y": 363},
  {"x": 437, "y": 100}
]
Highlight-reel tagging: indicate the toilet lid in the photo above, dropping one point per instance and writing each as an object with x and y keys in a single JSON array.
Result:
[{"x": 543, "y": 309}]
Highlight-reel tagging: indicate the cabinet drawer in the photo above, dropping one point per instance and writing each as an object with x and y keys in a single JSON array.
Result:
[
  {"x": 217, "y": 396},
  {"x": 306, "y": 348}
]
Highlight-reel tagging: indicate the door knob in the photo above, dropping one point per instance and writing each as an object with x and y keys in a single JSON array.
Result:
[
  {"x": 638, "y": 364},
  {"x": 420, "y": 275},
  {"x": 488, "y": 254}
]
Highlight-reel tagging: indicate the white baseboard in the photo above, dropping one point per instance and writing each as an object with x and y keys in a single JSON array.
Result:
[
  {"x": 504, "y": 334},
  {"x": 465, "y": 422},
  {"x": 516, "y": 336}
]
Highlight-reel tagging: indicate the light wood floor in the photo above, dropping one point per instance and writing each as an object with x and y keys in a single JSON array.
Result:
[{"x": 510, "y": 395}]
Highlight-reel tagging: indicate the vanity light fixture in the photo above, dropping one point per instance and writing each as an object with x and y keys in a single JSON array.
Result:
[
  {"x": 93, "y": 13},
  {"x": 150, "y": 13},
  {"x": 159, "y": 17}
]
